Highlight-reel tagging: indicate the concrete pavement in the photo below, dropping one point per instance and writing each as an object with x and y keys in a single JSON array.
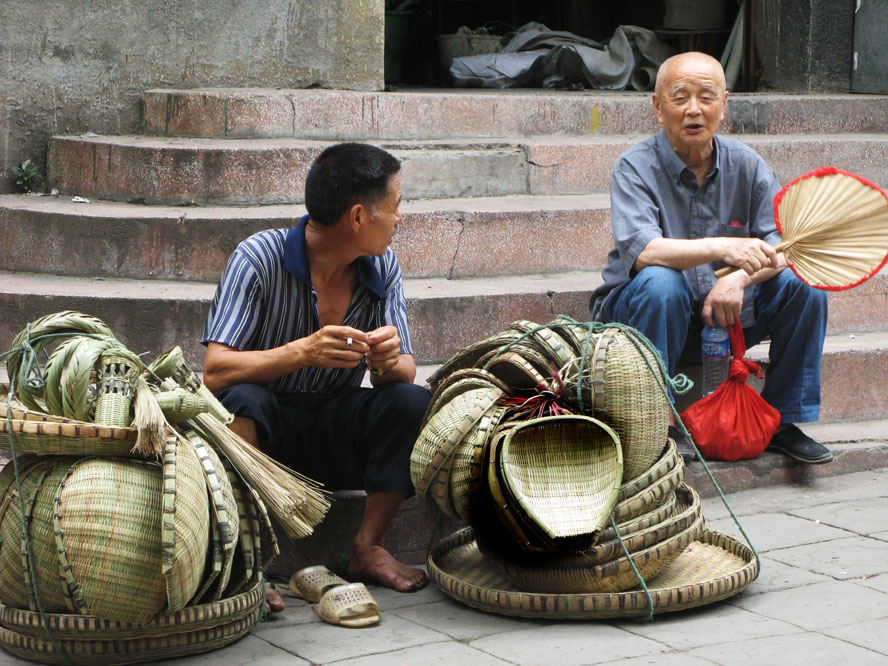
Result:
[{"x": 821, "y": 598}]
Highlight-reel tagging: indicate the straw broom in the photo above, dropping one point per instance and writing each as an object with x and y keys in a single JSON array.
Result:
[{"x": 297, "y": 502}]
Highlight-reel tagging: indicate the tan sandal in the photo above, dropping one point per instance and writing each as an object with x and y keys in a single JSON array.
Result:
[
  {"x": 348, "y": 605},
  {"x": 311, "y": 583},
  {"x": 335, "y": 600}
]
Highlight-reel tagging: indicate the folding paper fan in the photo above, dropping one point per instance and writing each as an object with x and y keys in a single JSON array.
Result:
[{"x": 834, "y": 226}]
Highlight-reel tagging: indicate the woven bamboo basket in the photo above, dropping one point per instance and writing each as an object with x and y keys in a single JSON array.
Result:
[
  {"x": 681, "y": 511},
  {"x": 613, "y": 575},
  {"x": 68, "y": 626},
  {"x": 186, "y": 512},
  {"x": 98, "y": 522},
  {"x": 620, "y": 383},
  {"x": 93, "y": 641},
  {"x": 52, "y": 438},
  {"x": 467, "y": 464},
  {"x": 650, "y": 497},
  {"x": 223, "y": 506},
  {"x": 445, "y": 429},
  {"x": 468, "y": 356},
  {"x": 516, "y": 372},
  {"x": 561, "y": 475},
  {"x": 662, "y": 466},
  {"x": 460, "y": 381},
  {"x": 573, "y": 333},
  {"x": 712, "y": 568}
]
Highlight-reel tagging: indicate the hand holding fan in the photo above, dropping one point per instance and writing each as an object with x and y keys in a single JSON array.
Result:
[{"x": 834, "y": 226}]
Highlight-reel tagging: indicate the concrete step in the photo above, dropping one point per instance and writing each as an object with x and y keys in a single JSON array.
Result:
[
  {"x": 158, "y": 170},
  {"x": 445, "y": 316},
  {"x": 420, "y": 114},
  {"x": 452, "y": 238}
]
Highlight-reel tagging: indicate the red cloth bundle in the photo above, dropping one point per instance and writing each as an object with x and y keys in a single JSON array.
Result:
[{"x": 733, "y": 422}]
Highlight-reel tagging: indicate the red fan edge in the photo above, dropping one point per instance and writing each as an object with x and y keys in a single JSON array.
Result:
[{"x": 817, "y": 173}]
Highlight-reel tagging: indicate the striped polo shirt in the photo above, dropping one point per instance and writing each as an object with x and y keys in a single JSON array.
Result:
[{"x": 265, "y": 299}]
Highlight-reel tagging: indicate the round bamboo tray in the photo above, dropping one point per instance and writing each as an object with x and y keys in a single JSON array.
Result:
[
  {"x": 468, "y": 356},
  {"x": 91, "y": 628},
  {"x": 651, "y": 496},
  {"x": 458, "y": 382},
  {"x": 712, "y": 568}
]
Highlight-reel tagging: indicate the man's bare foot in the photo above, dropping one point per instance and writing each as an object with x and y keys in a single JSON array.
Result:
[
  {"x": 374, "y": 564},
  {"x": 274, "y": 603}
]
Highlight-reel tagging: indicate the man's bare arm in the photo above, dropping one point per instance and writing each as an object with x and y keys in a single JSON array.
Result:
[
  {"x": 749, "y": 254},
  {"x": 328, "y": 347}
]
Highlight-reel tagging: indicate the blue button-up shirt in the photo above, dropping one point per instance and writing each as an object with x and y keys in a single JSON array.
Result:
[
  {"x": 265, "y": 299},
  {"x": 655, "y": 195}
]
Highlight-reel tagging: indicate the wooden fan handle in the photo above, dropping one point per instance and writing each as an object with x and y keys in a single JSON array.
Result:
[{"x": 727, "y": 270}]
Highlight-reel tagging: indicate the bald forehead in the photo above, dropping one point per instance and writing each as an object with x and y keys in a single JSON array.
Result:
[{"x": 690, "y": 68}]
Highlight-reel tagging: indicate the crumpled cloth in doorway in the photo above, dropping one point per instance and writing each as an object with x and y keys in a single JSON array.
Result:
[{"x": 537, "y": 57}]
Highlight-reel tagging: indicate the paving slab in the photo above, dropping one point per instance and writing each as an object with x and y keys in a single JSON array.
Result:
[
  {"x": 869, "y": 635},
  {"x": 567, "y": 644},
  {"x": 708, "y": 626},
  {"x": 820, "y": 606},
  {"x": 322, "y": 643},
  {"x": 251, "y": 649},
  {"x": 774, "y": 575},
  {"x": 770, "y": 531},
  {"x": 851, "y": 557},
  {"x": 450, "y": 617},
  {"x": 862, "y": 516},
  {"x": 805, "y": 649},
  {"x": 445, "y": 654}
]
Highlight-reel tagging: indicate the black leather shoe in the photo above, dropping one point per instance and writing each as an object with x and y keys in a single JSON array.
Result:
[
  {"x": 793, "y": 442},
  {"x": 682, "y": 445}
]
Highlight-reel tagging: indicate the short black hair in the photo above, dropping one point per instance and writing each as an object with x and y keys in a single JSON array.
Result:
[{"x": 346, "y": 174}]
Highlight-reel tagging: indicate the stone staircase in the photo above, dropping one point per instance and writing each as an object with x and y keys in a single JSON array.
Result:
[{"x": 506, "y": 213}]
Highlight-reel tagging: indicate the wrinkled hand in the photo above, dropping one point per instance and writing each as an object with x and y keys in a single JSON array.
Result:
[
  {"x": 725, "y": 301},
  {"x": 749, "y": 254},
  {"x": 385, "y": 348},
  {"x": 328, "y": 347}
]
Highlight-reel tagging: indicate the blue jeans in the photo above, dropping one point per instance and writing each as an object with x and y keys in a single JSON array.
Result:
[{"x": 659, "y": 303}]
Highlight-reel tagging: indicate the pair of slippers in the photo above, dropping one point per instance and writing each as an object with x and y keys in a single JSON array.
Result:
[{"x": 335, "y": 600}]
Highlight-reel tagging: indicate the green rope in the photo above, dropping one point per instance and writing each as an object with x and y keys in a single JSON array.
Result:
[
  {"x": 647, "y": 593},
  {"x": 28, "y": 350}
]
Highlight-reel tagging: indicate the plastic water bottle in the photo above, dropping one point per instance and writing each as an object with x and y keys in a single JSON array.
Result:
[{"x": 716, "y": 355}]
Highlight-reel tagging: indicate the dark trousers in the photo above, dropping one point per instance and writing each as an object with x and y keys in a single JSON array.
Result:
[{"x": 355, "y": 438}]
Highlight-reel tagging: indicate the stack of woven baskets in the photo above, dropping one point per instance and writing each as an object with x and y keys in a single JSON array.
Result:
[
  {"x": 551, "y": 442},
  {"x": 119, "y": 542}
]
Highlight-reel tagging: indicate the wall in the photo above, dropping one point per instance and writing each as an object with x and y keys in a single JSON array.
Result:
[
  {"x": 73, "y": 66},
  {"x": 805, "y": 45}
]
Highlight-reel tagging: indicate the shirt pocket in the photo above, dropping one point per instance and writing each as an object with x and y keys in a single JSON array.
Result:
[{"x": 734, "y": 229}]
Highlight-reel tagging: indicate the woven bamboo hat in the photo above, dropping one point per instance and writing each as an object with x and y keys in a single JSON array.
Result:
[
  {"x": 712, "y": 568},
  {"x": 558, "y": 476}
]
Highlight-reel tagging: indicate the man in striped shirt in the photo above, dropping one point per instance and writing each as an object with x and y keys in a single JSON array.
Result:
[{"x": 298, "y": 317}]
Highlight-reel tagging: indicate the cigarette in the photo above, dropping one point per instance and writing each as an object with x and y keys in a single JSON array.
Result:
[{"x": 348, "y": 342}]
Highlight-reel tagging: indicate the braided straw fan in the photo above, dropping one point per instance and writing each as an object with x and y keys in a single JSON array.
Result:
[{"x": 834, "y": 226}]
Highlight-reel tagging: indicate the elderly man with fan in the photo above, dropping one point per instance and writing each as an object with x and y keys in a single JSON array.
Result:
[
  {"x": 299, "y": 318},
  {"x": 685, "y": 202}
]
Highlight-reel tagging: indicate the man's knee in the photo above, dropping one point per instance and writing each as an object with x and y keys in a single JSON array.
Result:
[
  {"x": 408, "y": 400},
  {"x": 791, "y": 291},
  {"x": 256, "y": 403},
  {"x": 655, "y": 289}
]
